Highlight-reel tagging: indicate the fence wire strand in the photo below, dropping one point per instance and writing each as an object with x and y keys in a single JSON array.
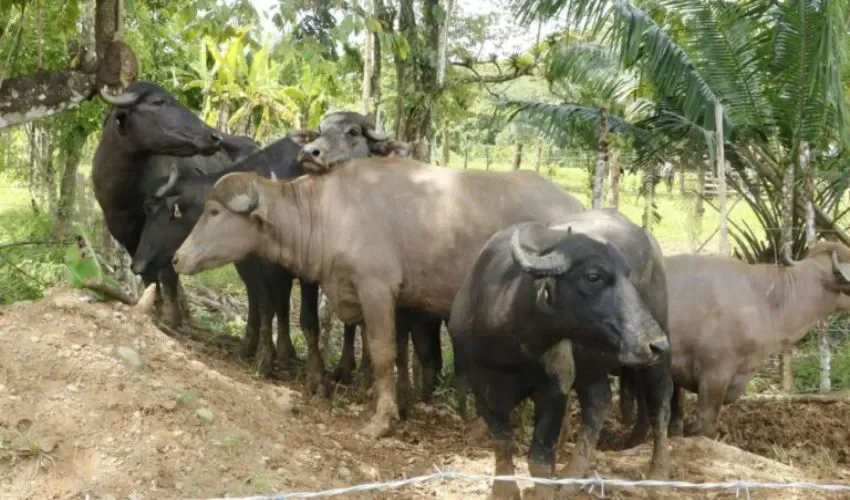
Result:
[{"x": 589, "y": 483}]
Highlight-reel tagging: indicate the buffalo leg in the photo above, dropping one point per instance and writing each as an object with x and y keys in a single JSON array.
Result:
[
  {"x": 345, "y": 367},
  {"x": 248, "y": 347},
  {"x": 677, "y": 412},
  {"x": 379, "y": 317},
  {"x": 642, "y": 421},
  {"x": 595, "y": 399},
  {"x": 657, "y": 386},
  {"x": 310, "y": 327},
  {"x": 549, "y": 406},
  {"x": 285, "y": 349},
  {"x": 402, "y": 363},
  {"x": 712, "y": 390},
  {"x": 496, "y": 412},
  {"x": 364, "y": 373},
  {"x": 627, "y": 396},
  {"x": 171, "y": 300},
  {"x": 425, "y": 332},
  {"x": 264, "y": 360}
]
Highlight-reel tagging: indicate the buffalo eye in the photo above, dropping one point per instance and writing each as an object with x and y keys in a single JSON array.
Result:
[
  {"x": 592, "y": 276},
  {"x": 158, "y": 101},
  {"x": 354, "y": 131},
  {"x": 213, "y": 212}
]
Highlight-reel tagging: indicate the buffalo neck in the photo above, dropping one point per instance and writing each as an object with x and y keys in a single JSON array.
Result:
[
  {"x": 797, "y": 297},
  {"x": 293, "y": 237}
]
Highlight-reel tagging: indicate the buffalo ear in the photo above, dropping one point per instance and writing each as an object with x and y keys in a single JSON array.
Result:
[
  {"x": 303, "y": 136},
  {"x": 546, "y": 294},
  {"x": 841, "y": 269},
  {"x": 260, "y": 214}
]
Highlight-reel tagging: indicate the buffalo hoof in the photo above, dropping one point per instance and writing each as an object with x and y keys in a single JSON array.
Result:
[
  {"x": 285, "y": 351},
  {"x": 343, "y": 375},
  {"x": 506, "y": 490},
  {"x": 377, "y": 428},
  {"x": 264, "y": 362},
  {"x": 247, "y": 348},
  {"x": 316, "y": 385}
]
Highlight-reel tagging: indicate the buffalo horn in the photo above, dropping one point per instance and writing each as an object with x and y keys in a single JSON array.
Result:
[
  {"x": 243, "y": 203},
  {"x": 165, "y": 188},
  {"x": 123, "y": 99},
  {"x": 842, "y": 270},
  {"x": 551, "y": 264},
  {"x": 372, "y": 133}
]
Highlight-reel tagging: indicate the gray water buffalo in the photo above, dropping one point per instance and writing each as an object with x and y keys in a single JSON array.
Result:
[
  {"x": 727, "y": 317},
  {"x": 379, "y": 234},
  {"x": 344, "y": 136},
  {"x": 588, "y": 287},
  {"x": 145, "y": 135}
]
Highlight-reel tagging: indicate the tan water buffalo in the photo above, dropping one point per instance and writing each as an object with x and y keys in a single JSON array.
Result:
[
  {"x": 727, "y": 317},
  {"x": 379, "y": 234}
]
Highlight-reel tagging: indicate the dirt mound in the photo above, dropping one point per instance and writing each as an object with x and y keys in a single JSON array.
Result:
[{"x": 95, "y": 401}]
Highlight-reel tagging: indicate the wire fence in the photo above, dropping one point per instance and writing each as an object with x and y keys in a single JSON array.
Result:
[{"x": 741, "y": 488}]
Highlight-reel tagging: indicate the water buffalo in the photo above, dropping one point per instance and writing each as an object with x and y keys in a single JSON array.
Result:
[
  {"x": 173, "y": 211},
  {"x": 378, "y": 234},
  {"x": 146, "y": 133},
  {"x": 595, "y": 279},
  {"x": 175, "y": 208},
  {"x": 727, "y": 317},
  {"x": 344, "y": 136}
]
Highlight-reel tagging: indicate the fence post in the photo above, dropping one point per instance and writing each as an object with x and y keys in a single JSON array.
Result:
[{"x": 721, "y": 177}]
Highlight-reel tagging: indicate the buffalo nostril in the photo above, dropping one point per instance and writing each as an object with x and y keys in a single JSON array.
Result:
[
  {"x": 314, "y": 152},
  {"x": 174, "y": 261},
  {"x": 660, "y": 346}
]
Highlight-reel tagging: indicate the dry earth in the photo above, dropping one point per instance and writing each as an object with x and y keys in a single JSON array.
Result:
[{"x": 95, "y": 402}]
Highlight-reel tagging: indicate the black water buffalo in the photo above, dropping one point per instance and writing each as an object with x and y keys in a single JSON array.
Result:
[
  {"x": 589, "y": 288},
  {"x": 344, "y": 136},
  {"x": 177, "y": 205},
  {"x": 145, "y": 135}
]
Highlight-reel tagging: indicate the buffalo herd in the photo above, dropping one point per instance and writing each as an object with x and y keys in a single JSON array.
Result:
[{"x": 539, "y": 294}]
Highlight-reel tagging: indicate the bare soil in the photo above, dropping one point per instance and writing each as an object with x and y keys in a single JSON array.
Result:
[{"x": 95, "y": 402}]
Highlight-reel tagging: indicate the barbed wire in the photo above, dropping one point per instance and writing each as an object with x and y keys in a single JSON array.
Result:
[{"x": 590, "y": 483}]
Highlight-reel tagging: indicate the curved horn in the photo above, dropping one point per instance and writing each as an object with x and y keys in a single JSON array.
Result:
[
  {"x": 551, "y": 264},
  {"x": 243, "y": 203},
  {"x": 372, "y": 133},
  {"x": 123, "y": 99},
  {"x": 172, "y": 180}
]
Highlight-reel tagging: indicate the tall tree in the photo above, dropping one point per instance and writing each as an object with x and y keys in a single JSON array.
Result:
[{"x": 108, "y": 66}]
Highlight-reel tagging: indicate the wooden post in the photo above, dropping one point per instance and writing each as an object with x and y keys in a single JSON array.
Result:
[{"x": 721, "y": 178}]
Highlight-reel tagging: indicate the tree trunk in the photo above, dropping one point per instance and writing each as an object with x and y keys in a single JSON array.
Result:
[
  {"x": 518, "y": 154},
  {"x": 824, "y": 354},
  {"x": 223, "y": 114},
  {"x": 447, "y": 152},
  {"x": 466, "y": 157},
  {"x": 699, "y": 208},
  {"x": 537, "y": 157},
  {"x": 720, "y": 156},
  {"x": 786, "y": 250},
  {"x": 72, "y": 154},
  {"x": 614, "y": 191},
  {"x": 487, "y": 157},
  {"x": 648, "y": 197},
  {"x": 45, "y": 93},
  {"x": 368, "y": 60},
  {"x": 601, "y": 160},
  {"x": 682, "y": 164}
]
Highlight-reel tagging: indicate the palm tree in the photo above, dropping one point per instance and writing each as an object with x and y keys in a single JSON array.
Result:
[{"x": 778, "y": 68}]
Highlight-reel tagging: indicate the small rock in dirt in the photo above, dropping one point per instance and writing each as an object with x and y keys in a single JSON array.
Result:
[
  {"x": 134, "y": 496},
  {"x": 47, "y": 444},
  {"x": 23, "y": 425},
  {"x": 205, "y": 415},
  {"x": 72, "y": 388},
  {"x": 344, "y": 473},
  {"x": 169, "y": 404},
  {"x": 131, "y": 356}
]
